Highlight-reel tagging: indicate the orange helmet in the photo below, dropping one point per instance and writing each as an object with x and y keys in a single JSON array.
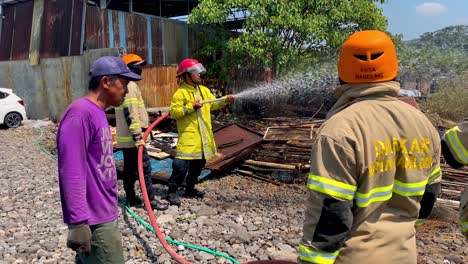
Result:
[
  {"x": 133, "y": 59},
  {"x": 368, "y": 56}
]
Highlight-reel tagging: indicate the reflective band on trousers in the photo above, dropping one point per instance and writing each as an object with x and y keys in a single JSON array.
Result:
[
  {"x": 409, "y": 189},
  {"x": 124, "y": 139},
  {"x": 457, "y": 146},
  {"x": 331, "y": 187},
  {"x": 464, "y": 226},
  {"x": 306, "y": 254}
]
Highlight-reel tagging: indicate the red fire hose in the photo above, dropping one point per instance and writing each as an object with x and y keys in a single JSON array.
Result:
[{"x": 151, "y": 215}]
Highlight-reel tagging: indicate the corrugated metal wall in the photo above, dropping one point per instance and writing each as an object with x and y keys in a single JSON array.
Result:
[
  {"x": 61, "y": 28},
  {"x": 60, "y": 78},
  {"x": 159, "y": 40},
  {"x": 16, "y": 31},
  {"x": 49, "y": 87}
]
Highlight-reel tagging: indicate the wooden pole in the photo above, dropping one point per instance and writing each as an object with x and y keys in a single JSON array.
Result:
[{"x": 276, "y": 165}]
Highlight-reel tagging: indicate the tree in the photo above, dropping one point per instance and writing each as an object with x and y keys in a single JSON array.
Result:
[{"x": 280, "y": 33}]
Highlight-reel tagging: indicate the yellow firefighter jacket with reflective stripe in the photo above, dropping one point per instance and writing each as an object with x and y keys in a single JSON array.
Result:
[
  {"x": 378, "y": 154},
  {"x": 194, "y": 129},
  {"x": 131, "y": 116},
  {"x": 457, "y": 141}
]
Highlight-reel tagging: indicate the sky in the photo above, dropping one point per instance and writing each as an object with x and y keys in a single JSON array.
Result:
[{"x": 414, "y": 17}]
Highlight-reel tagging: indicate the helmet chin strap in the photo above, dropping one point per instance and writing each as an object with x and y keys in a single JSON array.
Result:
[{"x": 196, "y": 85}]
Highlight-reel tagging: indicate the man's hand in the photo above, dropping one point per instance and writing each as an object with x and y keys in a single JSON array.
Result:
[
  {"x": 230, "y": 98},
  {"x": 197, "y": 105},
  {"x": 138, "y": 139},
  {"x": 79, "y": 237}
]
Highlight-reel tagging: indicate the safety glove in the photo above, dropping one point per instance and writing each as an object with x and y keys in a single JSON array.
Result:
[
  {"x": 79, "y": 237},
  {"x": 197, "y": 105},
  {"x": 138, "y": 139}
]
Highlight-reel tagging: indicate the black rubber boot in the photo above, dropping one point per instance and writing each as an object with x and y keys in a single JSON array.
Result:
[
  {"x": 156, "y": 205},
  {"x": 134, "y": 201},
  {"x": 173, "y": 198},
  {"x": 194, "y": 193}
]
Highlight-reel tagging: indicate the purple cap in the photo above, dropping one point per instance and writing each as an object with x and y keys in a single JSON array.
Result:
[{"x": 109, "y": 65}]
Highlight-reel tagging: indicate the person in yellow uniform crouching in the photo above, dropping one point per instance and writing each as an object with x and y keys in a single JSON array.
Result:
[
  {"x": 196, "y": 142},
  {"x": 455, "y": 151},
  {"x": 375, "y": 166}
]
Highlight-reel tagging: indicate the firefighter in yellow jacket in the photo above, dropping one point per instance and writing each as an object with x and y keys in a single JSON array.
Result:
[
  {"x": 455, "y": 151},
  {"x": 196, "y": 142},
  {"x": 132, "y": 119},
  {"x": 375, "y": 165}
]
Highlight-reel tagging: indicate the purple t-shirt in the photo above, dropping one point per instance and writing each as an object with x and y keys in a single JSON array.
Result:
[{"x": 87, "y": 175}]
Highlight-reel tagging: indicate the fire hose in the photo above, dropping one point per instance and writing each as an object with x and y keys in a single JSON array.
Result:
[
  {"x": 152, "y": 217},
  {"x": 154, "y": 225},
  {"x": 148, "y": 207}
]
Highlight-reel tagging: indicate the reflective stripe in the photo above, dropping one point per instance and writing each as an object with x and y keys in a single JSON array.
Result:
[
  {"x": 306, "y": 254},
  {"x": 464, "y": 226},
  {"x": 129, "y": 101},
  {"x": 457, "y": 146},
  {"x": 135, "y": 125},
  {"x": 331, "y": 187},
  {"x": 185, "y": 110},
  {"x": 380, "y": 194},
  {"x": 124, "y": 139},
  {"x": 435, "y": 174},
  {"x": 203, "y": 128},
  {"x": 409, "y": 189},
  {"x": 198, "y": 155}
]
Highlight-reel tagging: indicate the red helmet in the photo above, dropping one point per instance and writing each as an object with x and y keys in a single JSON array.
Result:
[{"x": 190, "y": 66}]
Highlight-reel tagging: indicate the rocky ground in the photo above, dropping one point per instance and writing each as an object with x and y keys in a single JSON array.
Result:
[{"x": 242, "y": 217}]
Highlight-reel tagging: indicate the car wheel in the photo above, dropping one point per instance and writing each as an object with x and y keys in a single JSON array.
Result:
[{"x": 12, "y": 120}]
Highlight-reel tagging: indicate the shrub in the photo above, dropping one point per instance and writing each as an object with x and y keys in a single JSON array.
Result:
[{"x": 450, "y": 100}]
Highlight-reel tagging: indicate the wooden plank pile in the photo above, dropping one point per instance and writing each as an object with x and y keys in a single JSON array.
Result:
[{"x": 284, "y": 155}]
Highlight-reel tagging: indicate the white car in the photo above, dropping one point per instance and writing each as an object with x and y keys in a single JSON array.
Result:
[{"x": 12, "y": 110}]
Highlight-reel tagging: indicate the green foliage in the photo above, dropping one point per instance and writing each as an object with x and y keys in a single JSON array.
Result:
[
  {"x": 281, "y": 33},
  {"x": 435, "y": 55},
  {"x": 450, "y": 101},
  {"x": 453, "y": 37}
]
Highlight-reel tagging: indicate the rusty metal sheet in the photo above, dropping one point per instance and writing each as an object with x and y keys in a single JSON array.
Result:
[
  {"x": 234, "y": 142},
  {"x": 76, "y": 27},
  {"x": 49, "y": 87},
  {"x": 96, "y": 28},
  {"x": 157, "y": 41},
  {"x": 22, "y": 30},
  {"x": 114, "y": 33},
  {"x": 136, "y": 34},
  {"x": 60, "y": 19},
  {"x": 7, "y": 32}
]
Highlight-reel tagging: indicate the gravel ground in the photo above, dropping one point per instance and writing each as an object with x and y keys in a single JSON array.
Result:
[{"x": 242, "y": 217}]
